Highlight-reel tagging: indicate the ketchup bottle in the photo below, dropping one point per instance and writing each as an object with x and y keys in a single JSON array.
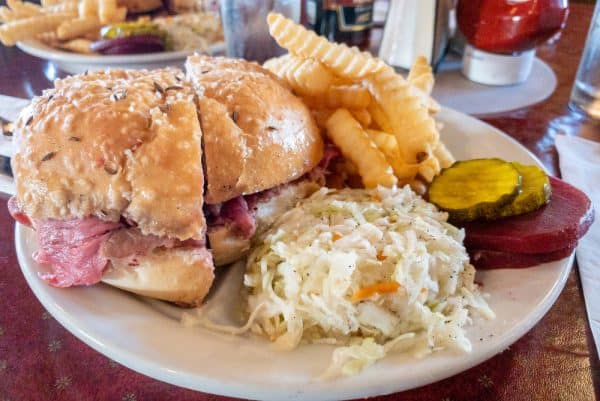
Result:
[{"x": 502, "y": 36}]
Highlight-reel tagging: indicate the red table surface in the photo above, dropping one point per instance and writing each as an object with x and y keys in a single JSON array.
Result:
[{"x": 556, "y": 360}]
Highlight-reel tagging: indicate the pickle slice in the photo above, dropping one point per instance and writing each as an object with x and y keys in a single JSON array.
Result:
[
  {"x": 474, "y": 189},
  {"x": 132, "y": 28},
  {"x": 535, "y": 191}
]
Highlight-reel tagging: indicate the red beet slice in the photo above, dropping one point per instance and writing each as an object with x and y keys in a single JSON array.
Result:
[
  {"x": 556, "y": 226},
  {"x": 129, "y": 45},
  {"x": 485, "y": 259}
]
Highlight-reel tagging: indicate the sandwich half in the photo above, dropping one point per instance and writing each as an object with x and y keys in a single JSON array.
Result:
[
  {"x": 108, "y": 172},
  {"x": 260, "y": 141}
]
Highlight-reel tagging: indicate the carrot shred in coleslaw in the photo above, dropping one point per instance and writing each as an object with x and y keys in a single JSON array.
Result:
[{"x": 385, "y": 287}]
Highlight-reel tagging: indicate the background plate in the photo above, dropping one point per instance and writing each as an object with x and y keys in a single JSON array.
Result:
[
  {"x": 147, "y": 337},
  {"x": 75, "y": 63}
]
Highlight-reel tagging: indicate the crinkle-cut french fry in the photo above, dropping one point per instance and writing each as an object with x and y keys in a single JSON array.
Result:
[
  {"x": 305, "y": 76},
  {"x": 432, "y": 106},
  {"x": 388, "y": 144},
  {"x": 379, "y": 116},
  {"x": 347, "y": 96},
  {"x": 414, "y": 128},
  {"x": 441, "y": 152},
  {"x": 356, "y": 145},
  {"x": 341, "y": 59},
  {"x": 12, "y": 32},
  {"x": 77, "y": 27},
  {"x": 421, "y": 75},
  {"x": 439, "y": 158},
  {"x": 321, "y": 116},
  {"x": 429, "y": 167},
  {"x": 362, "y": 116},
  {"x": 418, "y": 186}
]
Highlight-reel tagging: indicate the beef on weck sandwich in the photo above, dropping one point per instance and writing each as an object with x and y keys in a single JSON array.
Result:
[{"x": 115, "y": 171}]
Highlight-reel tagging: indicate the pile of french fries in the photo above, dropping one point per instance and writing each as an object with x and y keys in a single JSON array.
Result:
[
  {"x": 381, "y": 122},
  {"x": 68, "y": 24}
]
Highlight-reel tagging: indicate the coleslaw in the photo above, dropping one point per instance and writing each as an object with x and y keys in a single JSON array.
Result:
[{"x": 373, "y": 271}]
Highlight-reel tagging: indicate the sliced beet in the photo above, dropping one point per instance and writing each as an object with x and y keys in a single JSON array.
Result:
[
  {"x": 554, "y": 227},
  {"x": 129, "y": 45},
  {"x": 485, "y": 259}
]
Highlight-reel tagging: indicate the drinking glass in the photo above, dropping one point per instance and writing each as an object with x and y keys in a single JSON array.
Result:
[
  {"x": 585, "y": 95},
  {"x": 245, "y": 26}
]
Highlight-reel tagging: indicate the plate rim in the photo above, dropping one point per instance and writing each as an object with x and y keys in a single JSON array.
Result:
[
  {"x": 36, "y": 48},
  {"x": 206, "y": 384},
  {"x": 149, "y": 367}
]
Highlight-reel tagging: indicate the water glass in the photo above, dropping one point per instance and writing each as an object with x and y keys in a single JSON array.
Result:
[
  {"x": 245, "y": 26},
  {"x": 585, "y": 95}
]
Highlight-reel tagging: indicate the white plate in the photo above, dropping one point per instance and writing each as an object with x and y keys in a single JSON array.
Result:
[
  {"x": 75, "y": 63},
  {"x": 146, "y": 337}
]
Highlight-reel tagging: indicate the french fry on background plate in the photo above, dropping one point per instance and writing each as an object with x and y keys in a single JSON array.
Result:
[
  {"x": 24, "y": 10},
  {"x": 107, "y": 10},
  {"x": 77, "y": 27},
  {"x": 356, "y": 145},
  {"x": 77, "y": 45},
  {"x": 88, "y": 8},
  {"x": 49, "y": 38},
  {"x": 119, "y": 15},
  {"x": 65, "y": 7},
  {"x": 50, "y": 3},
  {"x": 12, "y": 32},
  {"x": 6, "y": 14}
]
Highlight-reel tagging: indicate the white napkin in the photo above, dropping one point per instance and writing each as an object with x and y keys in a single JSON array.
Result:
[
  {"x": 580, "y": 165},
  {"x": 9, "y": 110}
]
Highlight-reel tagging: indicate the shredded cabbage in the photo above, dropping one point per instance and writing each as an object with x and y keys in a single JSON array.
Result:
[{"x": 310, "y": 263}]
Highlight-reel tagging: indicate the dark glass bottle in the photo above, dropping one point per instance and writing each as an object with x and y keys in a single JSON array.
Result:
[
  {"x": 344, "y": 21},
  {"x": 314, "y": 14}
]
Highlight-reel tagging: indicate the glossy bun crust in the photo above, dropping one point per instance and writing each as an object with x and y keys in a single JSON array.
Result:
[
  {"x": 257, "y": 134},
  {"x": 111, "y": 144}
]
